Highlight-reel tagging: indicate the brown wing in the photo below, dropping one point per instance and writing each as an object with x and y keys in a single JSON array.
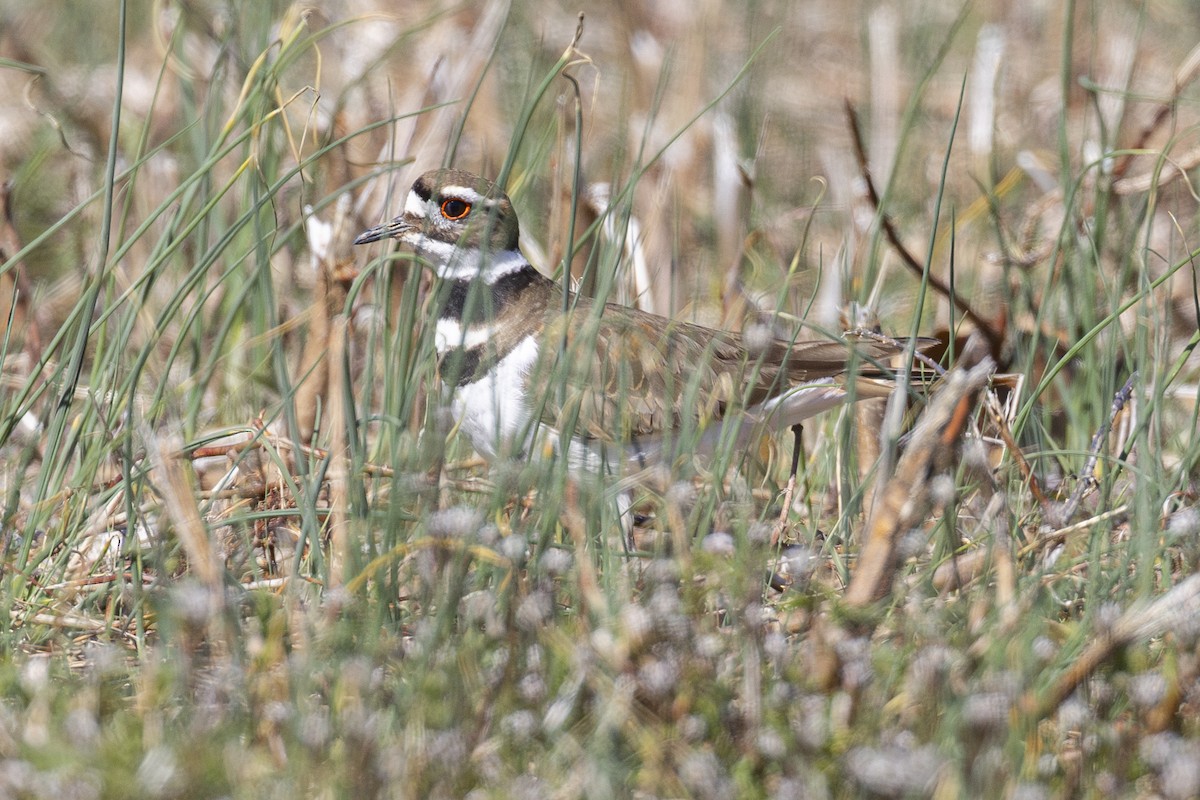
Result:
[{"x": 634, "y": 375}]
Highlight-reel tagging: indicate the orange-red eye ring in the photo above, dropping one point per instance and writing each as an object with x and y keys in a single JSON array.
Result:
[{"x": 455, "y": 209}]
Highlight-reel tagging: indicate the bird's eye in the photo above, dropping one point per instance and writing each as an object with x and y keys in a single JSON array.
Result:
[{"x": 455, "y": 209}]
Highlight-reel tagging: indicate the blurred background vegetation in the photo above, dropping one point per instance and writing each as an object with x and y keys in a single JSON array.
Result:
[{"x": 241, "y": 557}]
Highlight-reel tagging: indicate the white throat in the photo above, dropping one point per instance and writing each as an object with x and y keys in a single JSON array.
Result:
[{"x": 454, "y": 263}]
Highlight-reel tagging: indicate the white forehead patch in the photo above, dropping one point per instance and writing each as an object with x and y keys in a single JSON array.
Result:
[
  {"x": 463, "y": 193},
  {"x": 414, "y": 205}
]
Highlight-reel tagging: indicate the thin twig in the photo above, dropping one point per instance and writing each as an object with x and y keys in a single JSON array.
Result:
[
  {"x": 994, "y": 338},
  {"x": 1183, "y": 76},
  {"x": 1062, "y": 534},
  {"x": 1087, "y": 478},
  {"x": 1027, "y": 473}
]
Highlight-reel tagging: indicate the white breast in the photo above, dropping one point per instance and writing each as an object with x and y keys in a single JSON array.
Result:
[
  {"x": 495, "y": 414},
  {"x": 495, "y": 409}
]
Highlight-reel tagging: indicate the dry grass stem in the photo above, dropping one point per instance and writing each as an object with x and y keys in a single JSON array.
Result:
[{"x": 905, "y": 498}]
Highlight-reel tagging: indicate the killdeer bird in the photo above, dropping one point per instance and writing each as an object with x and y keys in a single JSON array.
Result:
[{"x": 633, "y": 387}]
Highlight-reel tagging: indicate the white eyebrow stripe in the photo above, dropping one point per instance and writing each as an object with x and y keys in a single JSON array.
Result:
[{"x": 463, "y": 193}]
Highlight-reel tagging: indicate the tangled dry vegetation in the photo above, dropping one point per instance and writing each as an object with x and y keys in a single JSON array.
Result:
[{"x": 244, "y": 555}]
